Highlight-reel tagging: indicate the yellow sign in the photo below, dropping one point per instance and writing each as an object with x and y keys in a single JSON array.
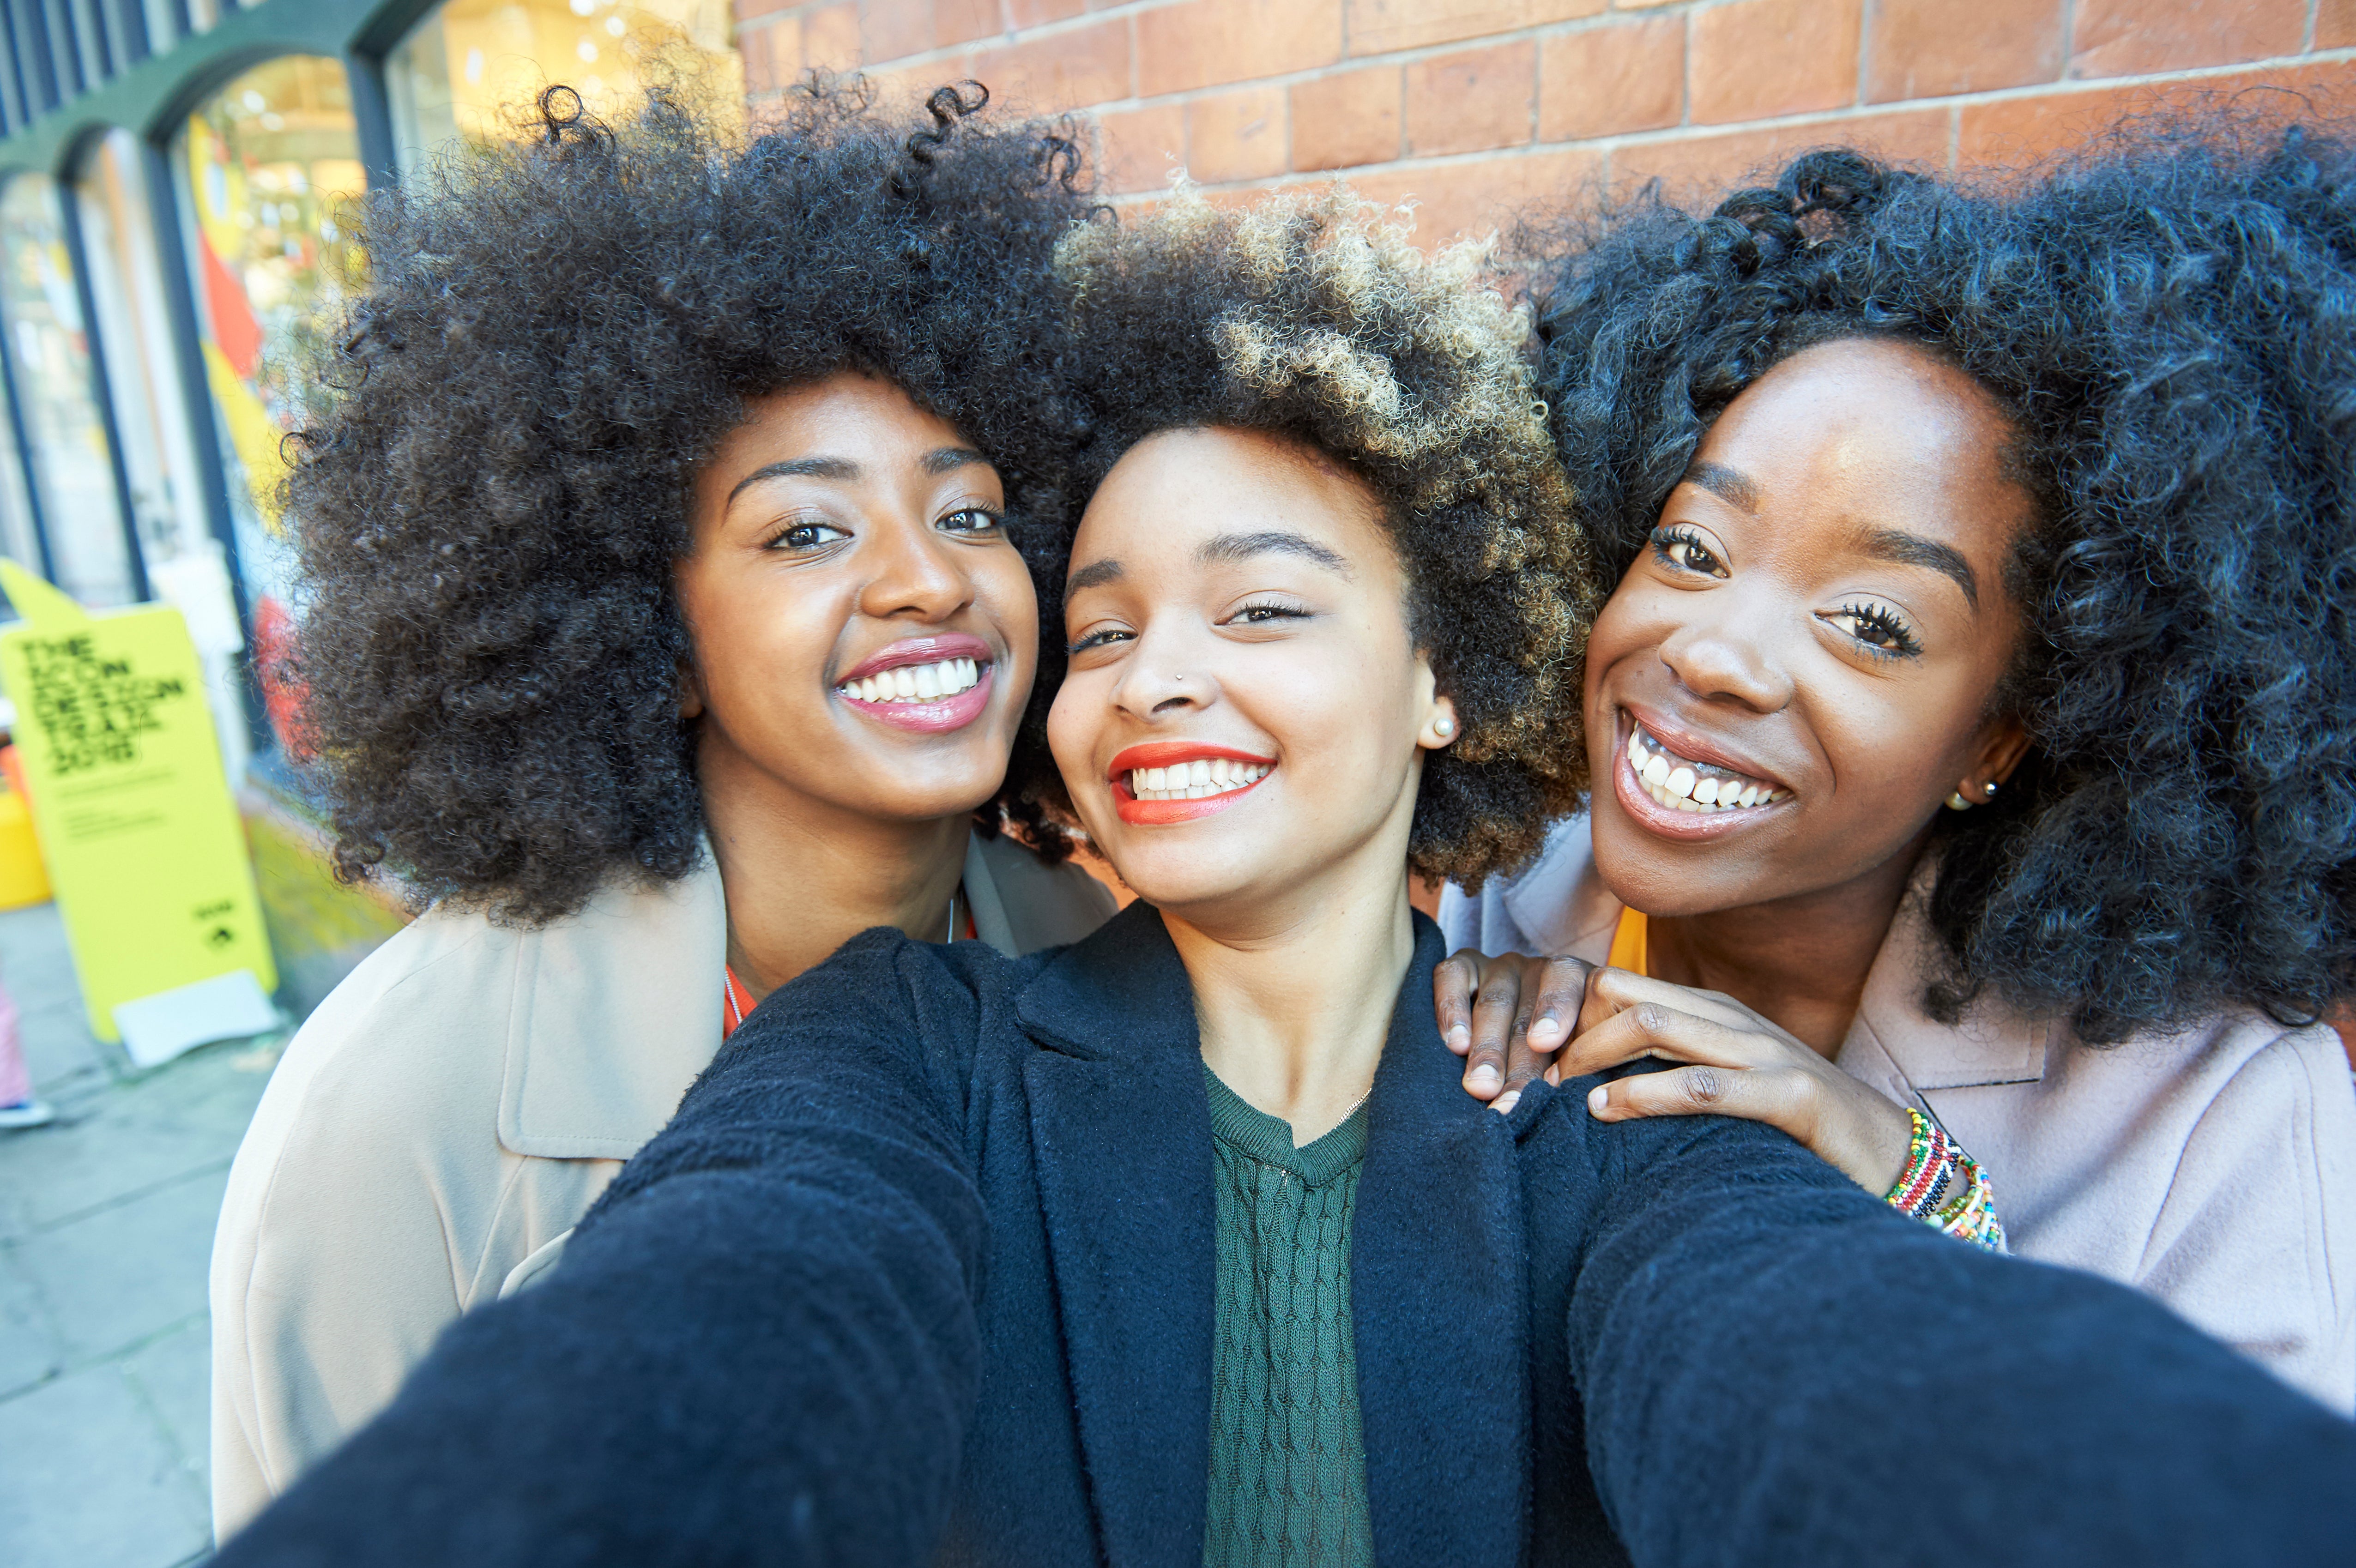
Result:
[{"x": 124, "y": 779}]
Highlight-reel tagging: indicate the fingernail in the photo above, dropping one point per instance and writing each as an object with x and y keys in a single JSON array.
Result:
[
  {"x": 1596, "y": 1100},
  {"x": 1460, "y": 1035},
  {"x": 1483, "y": 1077},
  {"x": 1547, "y": 1028},
  {"x": 1506, "y": 1102}
]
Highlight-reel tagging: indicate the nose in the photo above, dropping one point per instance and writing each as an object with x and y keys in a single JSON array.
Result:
[
  {"x": 1161, "y": 677},
  {"x": 1727, "y": 659},
  {"x": 915, "y": 573}
]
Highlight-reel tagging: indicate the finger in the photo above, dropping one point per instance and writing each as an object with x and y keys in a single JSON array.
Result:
[
  {"x": 1776, "y": 1096},
  {"x": 1616, "y": 991},
  {"x": 1560, "y": 989},
  {"x": 1451, "y": 997},
  {"x": 1505, "y": 1102},
  {"x": 1650, "y": 1029},
  {"x": 1495, "y": 1007}
]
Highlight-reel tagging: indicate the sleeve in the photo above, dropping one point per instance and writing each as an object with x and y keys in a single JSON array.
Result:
[
  {"x": 1776, "y": 1369},
  {"x": 2256, "y": 1240},
  {"x": 761, "y": 1345}
]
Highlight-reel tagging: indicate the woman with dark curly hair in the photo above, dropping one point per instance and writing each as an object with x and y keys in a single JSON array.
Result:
[
  {"x": 669, "y": 620},
  {"x": 1973, "y": 718},
  {"x": 1181, "y": 1246}
]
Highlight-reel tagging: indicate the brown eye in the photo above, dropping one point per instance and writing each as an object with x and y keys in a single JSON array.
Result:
[{"x": 1682, "y": 550}]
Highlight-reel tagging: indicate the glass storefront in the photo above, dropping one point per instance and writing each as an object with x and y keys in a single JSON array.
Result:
[
  {"x": 72, "y": 464},
  {"x": 272, "y": 180},
  {"x": 473, "y": 62}
]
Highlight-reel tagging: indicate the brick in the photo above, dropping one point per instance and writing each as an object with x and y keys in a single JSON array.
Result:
[
  {"x": 830, "y": 39},
  {"x": 1641, "y": 4},
  {"x": 2019, "y": 133},
  {"x": 964, "y": 21},
  {"x": 1473, "y": 100},
  {"x": 1757, "y": 59},
  {"x": 1464, "y": 200},
  {"x": 1703, "y": 168},
  {"x": 1063, "y": 70},
  {"x": 903, "y": 87},
  {"x": 893, "y": 29},
  {"x": 1142, "y": 147},
  {"x": 1929, "y": 49},
  {"x": 1600, "y": 81},
  {"x": 746, "y": 10},
  {"x": 772, "y": 55},
  {"x": 2126, "y": 37},
  {"x": 2335, "y": 24},
  {"x": 1032, "y": 13},
  {"x": 1212, "y": 43},
  {"x": 1347, "y": 118},
  {"x": 1377, "y": 26},
  {"x": 1236, "y": 135}
]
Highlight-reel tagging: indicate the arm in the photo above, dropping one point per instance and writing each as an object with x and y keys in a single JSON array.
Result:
[
  {"x": 1776, "y": 1370},
  {"x": 761, "y": 1346}
]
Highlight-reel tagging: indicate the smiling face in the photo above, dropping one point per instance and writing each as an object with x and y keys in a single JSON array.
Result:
[
  {"x": 1814, "y": 633},
  {"x": 1242, "y": 727},
  {"x": 864, "y": 635}
]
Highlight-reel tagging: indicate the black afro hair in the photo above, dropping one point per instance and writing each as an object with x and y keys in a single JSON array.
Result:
[
  {"x": 2170, "y": 321},
  {"x": 555, "y": 336}
]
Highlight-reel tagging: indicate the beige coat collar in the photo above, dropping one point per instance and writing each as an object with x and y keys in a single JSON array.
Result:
[{"x": 1563, "y": 905}]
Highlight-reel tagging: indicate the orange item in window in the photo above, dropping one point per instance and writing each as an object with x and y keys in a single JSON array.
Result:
[{"x": 22, "y": 879}]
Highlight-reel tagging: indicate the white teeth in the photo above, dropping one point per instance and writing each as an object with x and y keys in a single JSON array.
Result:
[
  {"x": 1681, "y": 785},
  {"x": 1198, "y": 780},
  {"x": 915, "y": 683}
]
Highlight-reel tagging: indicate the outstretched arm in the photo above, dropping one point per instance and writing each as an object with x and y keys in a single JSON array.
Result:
[
  {"x": 761, "y": 1346},
  {"x": 1776, "y": 1369}
]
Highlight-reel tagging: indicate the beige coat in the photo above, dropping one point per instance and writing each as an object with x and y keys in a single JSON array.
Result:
[
  {"x": 2214, "y": 1168},
  {"x": 446, "y": 1116}
]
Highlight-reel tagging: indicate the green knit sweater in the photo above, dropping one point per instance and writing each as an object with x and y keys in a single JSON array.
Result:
[{"x": 1287, "y": 1483}]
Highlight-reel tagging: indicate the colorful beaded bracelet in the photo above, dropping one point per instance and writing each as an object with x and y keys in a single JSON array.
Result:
[{"x": 1934, "y": 1165}]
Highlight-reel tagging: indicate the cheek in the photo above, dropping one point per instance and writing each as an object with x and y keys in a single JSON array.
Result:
[
  {"x": 1003, "y": 587},
  {"x": 761, "y": 651}
]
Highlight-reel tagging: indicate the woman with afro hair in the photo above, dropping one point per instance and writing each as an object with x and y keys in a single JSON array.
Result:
[
  {"x": 1181, "y": 1247},
  {"x": 1973, "y": 722},
  {"x": 669, "y": 619}
]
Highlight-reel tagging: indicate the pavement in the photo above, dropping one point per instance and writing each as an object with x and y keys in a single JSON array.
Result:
[{"x": 106, "y": 1224}]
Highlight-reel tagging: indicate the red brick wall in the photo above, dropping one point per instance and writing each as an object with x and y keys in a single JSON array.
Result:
[{"x": 1470, "y": 106}]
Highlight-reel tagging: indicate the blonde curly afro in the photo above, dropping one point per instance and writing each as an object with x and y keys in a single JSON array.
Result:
[{"x": 1316, "y": 318}]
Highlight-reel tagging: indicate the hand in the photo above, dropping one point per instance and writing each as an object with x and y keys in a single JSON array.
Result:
[
  {"x": 1738, "y": 1065},
  {"x": 1506, "y": 1016}
]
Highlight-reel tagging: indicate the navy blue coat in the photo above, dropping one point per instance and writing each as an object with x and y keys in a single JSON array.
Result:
[{"x": 923, "y": 1272}]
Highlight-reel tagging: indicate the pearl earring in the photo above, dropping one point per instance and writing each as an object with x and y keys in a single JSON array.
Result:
[
  {"x": 1956, "y": 802},
  {"x": 1443, "y": 726}
]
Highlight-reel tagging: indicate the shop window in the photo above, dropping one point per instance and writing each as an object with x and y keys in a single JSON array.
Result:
[
  {"x": 272, "y": 184},
  {"x": 18, "y": 542},
  {"x": 472, "y": 62},
  {"x": 184, "y": 562},
  {"x": 71, "y": 462}
]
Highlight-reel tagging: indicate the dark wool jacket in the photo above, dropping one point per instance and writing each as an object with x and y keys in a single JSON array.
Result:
[{"x": 922, "y": 1272}]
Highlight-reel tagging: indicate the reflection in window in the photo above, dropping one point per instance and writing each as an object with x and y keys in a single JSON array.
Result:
[
  {"x": 18, "y": 542},
  {"x": 72, "y": 468},
  {"x": 472, "y": 60},
  {"x": 273, "y": 177}
]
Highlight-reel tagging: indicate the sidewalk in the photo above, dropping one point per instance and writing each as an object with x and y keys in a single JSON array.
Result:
[{"x": 106, "y": 1224}]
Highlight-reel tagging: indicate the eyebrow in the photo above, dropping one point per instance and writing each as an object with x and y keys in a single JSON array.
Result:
[
  {"x": 1095, "y": 574},
  {"x": 1729, "y": 485},
  {"x": 1914, "y": 549},
  {"x": 1224, "y": 547},
  {"x": 940, "y": 460}
]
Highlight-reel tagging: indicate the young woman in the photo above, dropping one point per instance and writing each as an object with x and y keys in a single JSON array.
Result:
[
  {"x": 669, "y": 622},
  {"x": 1181, "y": 1246},
  {"x": 1971, "y": 723}
]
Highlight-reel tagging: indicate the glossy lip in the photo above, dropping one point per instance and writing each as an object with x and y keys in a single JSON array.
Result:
[
  {"x": 1686, "y": 826},
  {"x": 1161, "y": 755},
  {"x": 921, "y": 650}
]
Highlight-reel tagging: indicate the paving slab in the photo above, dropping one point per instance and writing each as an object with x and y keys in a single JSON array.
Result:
[
  {"x": 131, "y": 1270},
  {"x": 88, "y": 1479},
  {"x": 174, "y": 1371},
  {"x": 31, "y": 1351}
]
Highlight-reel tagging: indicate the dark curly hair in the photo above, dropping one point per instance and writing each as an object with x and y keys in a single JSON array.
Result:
[
  {"x": 555, "y": 334},
  {"x": 1318, "y": 320},
  {"x": 2170, "y": 320}
]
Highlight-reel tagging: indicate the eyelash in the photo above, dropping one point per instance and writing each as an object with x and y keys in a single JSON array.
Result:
[
  {"x": 1265, "y": 611},
  {"x": 1665, "y": 537},
  {"x": 1874, "y": 618}
]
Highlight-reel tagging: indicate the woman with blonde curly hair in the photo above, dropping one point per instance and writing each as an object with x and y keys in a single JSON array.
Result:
[{"x": 1180, "y": 1245}]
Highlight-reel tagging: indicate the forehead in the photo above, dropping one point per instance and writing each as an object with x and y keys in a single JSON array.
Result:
[
  {"x": 845, "y": 414},
  {"x": 1871, "y": 424},
  {"x": 1177, "y": 489}
]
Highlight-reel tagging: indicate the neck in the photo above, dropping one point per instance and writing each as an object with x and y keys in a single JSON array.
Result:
[
  {"x": 1801, "y": 962},
  {"x": 803, "y": 877},
  {"x": 1294, "y": 1006}
]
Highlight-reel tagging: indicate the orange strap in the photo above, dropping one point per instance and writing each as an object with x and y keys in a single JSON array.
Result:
[
  {"x": 737, "y": 1002},
  {"x": 1631, "y": 948}
]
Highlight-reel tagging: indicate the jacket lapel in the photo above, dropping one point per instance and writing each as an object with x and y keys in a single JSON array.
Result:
[
  {"x": 1121, "y": 1128},
  {"x": 1438, "y": 1291}
]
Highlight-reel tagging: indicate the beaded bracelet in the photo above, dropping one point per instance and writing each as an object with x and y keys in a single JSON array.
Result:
[{"x": 1934, "y": 1164}]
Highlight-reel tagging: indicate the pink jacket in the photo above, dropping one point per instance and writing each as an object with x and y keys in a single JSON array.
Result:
[{"x": 2214, "y": 1168}]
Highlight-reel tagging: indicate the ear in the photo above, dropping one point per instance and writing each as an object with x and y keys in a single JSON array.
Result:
[
  {"x": 690, "y": 693},
  {"x": 2004, "y": 744},
  {"x": 1440, "y": 726}
]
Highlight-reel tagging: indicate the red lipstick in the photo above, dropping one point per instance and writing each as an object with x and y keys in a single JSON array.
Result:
[{"x": 1174, "y": 753}]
